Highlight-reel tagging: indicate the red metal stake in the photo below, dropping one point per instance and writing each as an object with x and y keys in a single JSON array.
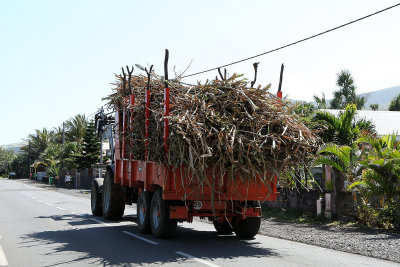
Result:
[
  {"x": 147, "y": 123},
  {"x": 166, "y": 103},
  {"x": 166, "y": 114}
]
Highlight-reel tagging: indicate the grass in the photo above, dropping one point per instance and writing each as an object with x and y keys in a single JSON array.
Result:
[
  {"x": 291, "y": 216},
  {"x": 294, "y": 216}
]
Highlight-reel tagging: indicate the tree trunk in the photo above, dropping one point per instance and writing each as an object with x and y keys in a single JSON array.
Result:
[{"x": 336, "y": 181}]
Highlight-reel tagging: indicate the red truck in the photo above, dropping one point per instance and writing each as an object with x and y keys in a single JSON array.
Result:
[{"x": 163, "y": 194}]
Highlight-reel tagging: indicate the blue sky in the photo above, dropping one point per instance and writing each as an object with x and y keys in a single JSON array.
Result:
[{"x": 58, "y": 58}]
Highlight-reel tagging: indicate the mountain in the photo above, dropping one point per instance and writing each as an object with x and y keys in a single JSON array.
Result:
[
  {"x": 381, "y": 97},
  {"x": 15, "y": 147}
]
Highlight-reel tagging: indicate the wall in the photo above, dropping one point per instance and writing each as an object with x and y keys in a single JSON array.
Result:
[{"x": 301, "y": 200}]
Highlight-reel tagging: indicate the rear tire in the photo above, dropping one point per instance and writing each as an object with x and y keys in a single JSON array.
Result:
[
  {"x": 96, "y": 200},
  {"x": 247, "y": 228},
  {"x": 161, "y": 225},
  {"x": 113, "y": 198},
  {"x": 223, "y": 228},
  {"x": 143, "y": 212}
]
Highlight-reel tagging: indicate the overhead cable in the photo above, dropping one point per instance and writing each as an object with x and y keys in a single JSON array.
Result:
[{"x": 291, "y": 44}]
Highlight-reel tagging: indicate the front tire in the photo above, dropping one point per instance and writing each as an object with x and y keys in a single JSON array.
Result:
[
  {"x": 113, "y": 198},
  {"x": 143, "y": 212},
  {"x": 96, "y": 200},
  {"x": 161, "y": 225}
]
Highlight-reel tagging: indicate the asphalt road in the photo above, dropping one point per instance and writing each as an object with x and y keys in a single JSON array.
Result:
[{"x": 39, "y": 227}]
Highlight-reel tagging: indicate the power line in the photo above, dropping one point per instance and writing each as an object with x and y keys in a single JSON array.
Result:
[{"x": 302, "y": 40}]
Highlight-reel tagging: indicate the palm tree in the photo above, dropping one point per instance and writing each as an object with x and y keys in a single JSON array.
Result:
[
  {"x": 75, "y": 128},
  {"x": 37, "y": 143},
  {"x": 344, "y": 159},
  {"x": 345, "y": 166},
  {"x": 56, "y": 134},
  {"x": 347, "y": 92},
  {"x": 381, "y": 180},
  {"x": 341, "y": 133},
  {"x": 382, "y": 177},
  {"x": 395, "y": 104},
  {"x": 343, "y": 129},
  {"x": 321, "y": 102},
  {"x": 374, "y": 106}
]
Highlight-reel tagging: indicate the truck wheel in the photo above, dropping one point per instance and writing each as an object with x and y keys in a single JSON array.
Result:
[
  {"x": 143, "y": 212},
  {"x": 113, "y": 198},
  {"x": 96, "y": 200},
  {"x": 223, "y": 227},
  {"x": 161, "y": 225},
  {"x": 247, "y": 228}
]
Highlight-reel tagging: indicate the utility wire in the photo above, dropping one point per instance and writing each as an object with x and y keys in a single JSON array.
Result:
[{"x": 302, "y": 40}]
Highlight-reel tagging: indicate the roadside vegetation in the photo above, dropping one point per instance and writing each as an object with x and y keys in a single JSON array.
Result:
[
  {"x": 369, "y": 164},
  {"x": 56, "y": 149}
]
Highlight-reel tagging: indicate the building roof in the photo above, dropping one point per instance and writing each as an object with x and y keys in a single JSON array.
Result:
[{"x": 386, "y": 122}]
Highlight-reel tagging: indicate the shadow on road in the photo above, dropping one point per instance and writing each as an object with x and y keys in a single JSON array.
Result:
[{"x": 93, "y": 243}]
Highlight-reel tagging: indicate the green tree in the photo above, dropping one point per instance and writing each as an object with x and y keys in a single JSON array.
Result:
[
  {"x": 37, "y": 143},
  {"x": 343, "y": 129},
  {"x": 6, "y": 158},
  {"x": 395, "y": 104},
  {"x": 56, "y": 135},
  {"x": 374, "y": 107},
  {"x": 67, "y": 153},
  {"x": 321, "y": 101},
  {"x": 75, "y": 128},
  {"x": 381, "y": 180},
  {"x": 340, "y": 133},
  {"x": 90, "y": 148},
  {"x": 347, "y": 92},
  {"x": 342, "y": 158},
  {"x": 344, "y": 163},
  {"x": 21, "y": 164}
]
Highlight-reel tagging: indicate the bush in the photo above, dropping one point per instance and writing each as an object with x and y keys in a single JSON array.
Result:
[{"x": 387, "y": 217}]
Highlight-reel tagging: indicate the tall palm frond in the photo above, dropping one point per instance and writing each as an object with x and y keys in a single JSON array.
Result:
[
  {"x": 321, "y": 102},
  {"x": 75, "y": 128},
  {"x": 336, "y": 156}
]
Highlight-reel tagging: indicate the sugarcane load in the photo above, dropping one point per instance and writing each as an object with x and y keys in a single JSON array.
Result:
[{"x": 212, "y": 150}]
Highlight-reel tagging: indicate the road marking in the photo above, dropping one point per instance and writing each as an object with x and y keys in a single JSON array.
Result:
[
  {"x": 141, "y": 238},
  {"x": 3, "y": 258},
  {"x": 196, "y": 259},
  {"x": 60, "y": 208},
  {"x": 33, "y": 197},
  {"x": 100, "y": 222},
  {"x": 73, "y": 212},
  {"x": 40, "y": 200},
  {"x": 49, "y": 204}
]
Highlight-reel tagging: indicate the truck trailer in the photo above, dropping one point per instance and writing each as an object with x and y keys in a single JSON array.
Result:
[{"x": 165, "y": 195}]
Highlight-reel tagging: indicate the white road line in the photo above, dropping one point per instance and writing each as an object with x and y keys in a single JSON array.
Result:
[
  {"x": 40, "y": 200},
  {"x": 100, "y": 222},
  {"x": 73, "y": 212},
  {"x": 141, "y": 238},
  {"x": 33, "y": 197},
  {"x": 49, "y": 204},
  {"x": 60, "y": 208},
  {"x": 196, "y": 259},
  {"x": 3, "y": 258}
]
